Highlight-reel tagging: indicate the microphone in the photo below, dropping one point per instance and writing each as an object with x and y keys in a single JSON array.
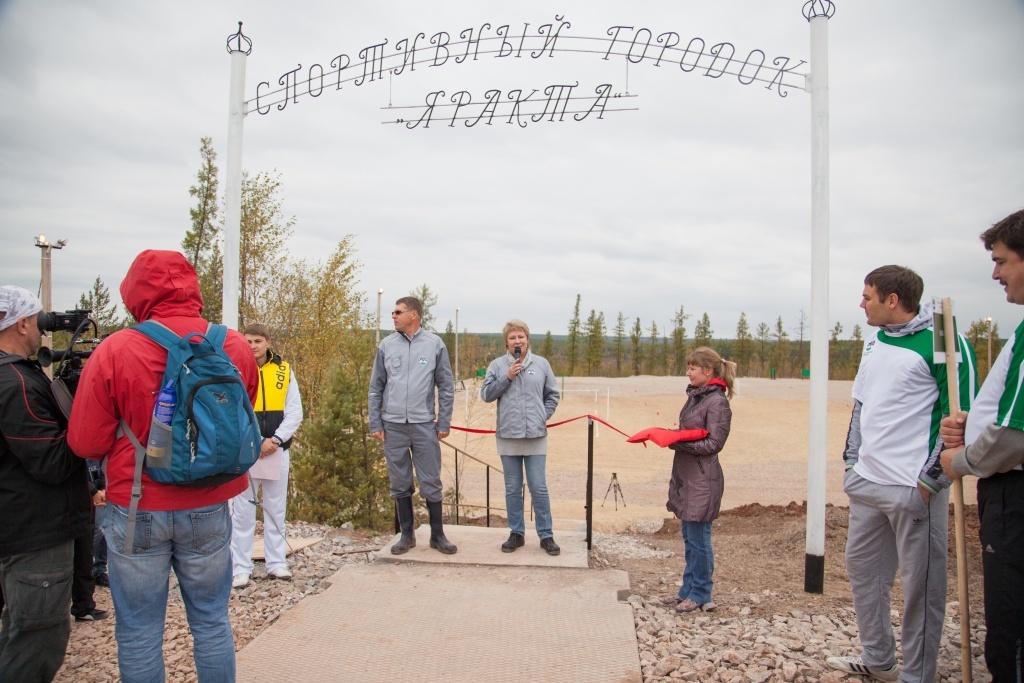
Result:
[{"x": 517, "y": 352}]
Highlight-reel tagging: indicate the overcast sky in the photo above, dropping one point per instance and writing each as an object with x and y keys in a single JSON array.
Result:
[{"x": 699, "y": 198}]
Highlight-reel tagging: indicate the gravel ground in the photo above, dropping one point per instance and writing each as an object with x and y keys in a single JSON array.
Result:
[
  {"x": 742, "y": 643},
  {"x": 92, "y": 652},
  {"x": 757, "y": 634}
]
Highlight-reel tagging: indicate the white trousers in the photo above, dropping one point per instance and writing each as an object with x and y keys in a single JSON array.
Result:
[{"x": 243, "y": 523}]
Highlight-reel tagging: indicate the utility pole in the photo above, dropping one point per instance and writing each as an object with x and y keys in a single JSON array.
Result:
[
  {"x": 989, "y": 368},
  {"x": 45, "y": 280},
  {"x": 457, "y": 309},
  {"x": 379, "y": 293}
]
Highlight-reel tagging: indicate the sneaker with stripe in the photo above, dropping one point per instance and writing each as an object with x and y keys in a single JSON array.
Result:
[{"x": 856, "y": 665}]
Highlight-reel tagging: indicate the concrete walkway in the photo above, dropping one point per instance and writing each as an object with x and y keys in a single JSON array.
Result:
[{"x": 479, "y": 615}]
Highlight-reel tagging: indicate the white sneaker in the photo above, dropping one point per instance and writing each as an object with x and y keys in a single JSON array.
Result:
[
  {"x": 281, "y": 573},
  {"x": 240, "y": 581},
  {"x": 856, "y": 665}
]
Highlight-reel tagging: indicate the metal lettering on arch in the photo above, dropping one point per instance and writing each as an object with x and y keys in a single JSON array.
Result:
[{"x": 395, "y": 58}]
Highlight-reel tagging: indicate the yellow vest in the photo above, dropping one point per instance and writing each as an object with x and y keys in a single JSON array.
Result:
[
  {"x": 274, "y": 377},
  {"x": 270, "y": 398}
]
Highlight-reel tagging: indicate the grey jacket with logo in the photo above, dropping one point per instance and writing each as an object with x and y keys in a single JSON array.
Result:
[
  {"x": 526, "y": 403},
  {"x": 697, "y": 484},
  {"x": 405, "y": 375}
]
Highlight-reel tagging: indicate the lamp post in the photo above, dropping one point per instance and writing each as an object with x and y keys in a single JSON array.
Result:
[
  {"x": 457, "y": 309},
  {"x": 45, "y": 291},
  {"x": 989, "y": 368},
  {"x": 379, "y": 293},
  {"x": 239, "y": 47},
  {"x": 818, "y": 13}
]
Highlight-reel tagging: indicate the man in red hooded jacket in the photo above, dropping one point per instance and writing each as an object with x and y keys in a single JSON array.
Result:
[{"x": 188, "y": 529}]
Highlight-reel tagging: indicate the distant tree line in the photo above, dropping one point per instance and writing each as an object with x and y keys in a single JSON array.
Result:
[{"x": 630, "y": 348}]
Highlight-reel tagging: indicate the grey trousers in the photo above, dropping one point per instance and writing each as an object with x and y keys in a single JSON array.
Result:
[
  {"x": 413, "y": 445},
  {"x": 891, "y": 527},
  {"x": 36, "y": 621}
]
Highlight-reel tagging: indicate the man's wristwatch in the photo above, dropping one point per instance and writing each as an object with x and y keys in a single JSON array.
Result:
[{"x": 277, "y": 440}]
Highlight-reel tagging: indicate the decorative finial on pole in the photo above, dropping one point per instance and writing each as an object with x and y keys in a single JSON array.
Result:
[
  {"x": 818, "y": 8},
  {"x": 239, "y": 37}
]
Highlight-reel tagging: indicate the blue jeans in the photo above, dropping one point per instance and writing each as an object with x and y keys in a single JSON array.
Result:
[
  {"x": 513, "y": 466},
  {"x": 195, "y": 543},
  {"x": 700, "y": 562}
]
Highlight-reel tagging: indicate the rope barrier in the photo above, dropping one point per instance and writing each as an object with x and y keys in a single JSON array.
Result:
[
  {"x": 660, "y": 436},
  {"x": 595, "y": 418}
]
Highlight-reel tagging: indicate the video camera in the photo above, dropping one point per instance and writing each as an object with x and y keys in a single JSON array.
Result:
[
  {"x": 69, "y": 361},
  {"x": 67, "y": 321}
]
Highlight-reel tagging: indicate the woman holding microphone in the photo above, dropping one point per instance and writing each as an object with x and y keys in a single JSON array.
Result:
[{"x": 527, "y": 394}]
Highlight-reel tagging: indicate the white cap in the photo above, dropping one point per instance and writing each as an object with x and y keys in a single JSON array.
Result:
[{"x": 17, "y": 303}]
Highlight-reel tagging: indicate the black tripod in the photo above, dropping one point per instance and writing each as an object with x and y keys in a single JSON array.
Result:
[{"x": 613, "y": 485}]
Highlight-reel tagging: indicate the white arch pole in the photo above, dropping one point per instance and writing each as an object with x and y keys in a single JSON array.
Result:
[
  {"x": 233, "y": 188},
  {"x": 814, "y": 563}
]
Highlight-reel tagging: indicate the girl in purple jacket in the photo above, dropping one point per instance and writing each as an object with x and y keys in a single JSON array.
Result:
[{"x": 695, "y": 489}]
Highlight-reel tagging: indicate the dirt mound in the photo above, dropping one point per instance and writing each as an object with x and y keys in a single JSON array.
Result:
[{"x": 794, "y": 509}]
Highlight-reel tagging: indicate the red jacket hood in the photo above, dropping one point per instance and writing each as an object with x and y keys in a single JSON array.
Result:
[{"x": 161, "y": 284}]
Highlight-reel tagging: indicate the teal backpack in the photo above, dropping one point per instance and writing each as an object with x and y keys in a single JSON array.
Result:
[{"x": 215, "y": 437}]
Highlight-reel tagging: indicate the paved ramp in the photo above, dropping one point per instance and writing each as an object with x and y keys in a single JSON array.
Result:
[
  {"x": 482, "y": 545},
  {"x": 458, "y": 620}
]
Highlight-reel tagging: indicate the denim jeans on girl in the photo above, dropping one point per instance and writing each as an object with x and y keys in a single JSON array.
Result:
[
  {"x": 513, "y": 466},
  {"x": 195, "y": 544},
  {"x": 700, "y": 562}
]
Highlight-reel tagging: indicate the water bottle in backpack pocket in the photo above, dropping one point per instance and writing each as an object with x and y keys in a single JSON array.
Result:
[{"x": 158, "y": 449}]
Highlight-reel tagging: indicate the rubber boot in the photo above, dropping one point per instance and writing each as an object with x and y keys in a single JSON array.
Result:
[
  {"x": 408, "y": 539},
  {"x": 437, "y": 539}
]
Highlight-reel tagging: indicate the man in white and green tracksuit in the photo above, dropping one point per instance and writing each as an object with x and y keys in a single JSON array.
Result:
[
  {"x": 995, "y": 453},
  {"x": 899, "y": 501}
]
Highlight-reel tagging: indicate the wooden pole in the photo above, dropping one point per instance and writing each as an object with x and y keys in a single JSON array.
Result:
[{"x": 953, "y": 392}]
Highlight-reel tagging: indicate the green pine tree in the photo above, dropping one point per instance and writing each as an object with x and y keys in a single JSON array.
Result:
[{"x": 338, "y": 469}]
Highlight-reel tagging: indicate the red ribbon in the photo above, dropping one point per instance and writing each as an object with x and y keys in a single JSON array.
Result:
[{"x": 553, "y": 424}]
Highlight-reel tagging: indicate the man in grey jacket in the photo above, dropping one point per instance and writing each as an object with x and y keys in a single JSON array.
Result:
[{"x": 410, "y": 365}]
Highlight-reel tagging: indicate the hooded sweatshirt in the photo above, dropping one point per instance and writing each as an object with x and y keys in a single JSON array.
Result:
[{"x": 122, "y": 380}]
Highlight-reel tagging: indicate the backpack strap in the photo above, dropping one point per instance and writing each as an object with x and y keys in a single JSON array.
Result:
[
  {"x": 165, "y": 337},
  {"x": 216, "y": 334},
  {"x": 159, "y": 333},
  {"x": 140, "y": 457}
]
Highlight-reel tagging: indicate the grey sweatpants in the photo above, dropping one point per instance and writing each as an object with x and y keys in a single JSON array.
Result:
[
  {"x": 409, "y": 445},
  {"x": 890, "y": 527}
]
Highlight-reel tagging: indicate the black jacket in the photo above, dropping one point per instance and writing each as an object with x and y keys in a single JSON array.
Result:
[{"x": 44, "y": 490}]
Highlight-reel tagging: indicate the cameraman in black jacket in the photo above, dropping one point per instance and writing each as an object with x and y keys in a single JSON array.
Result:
[{"x": 44, "y": 495}]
